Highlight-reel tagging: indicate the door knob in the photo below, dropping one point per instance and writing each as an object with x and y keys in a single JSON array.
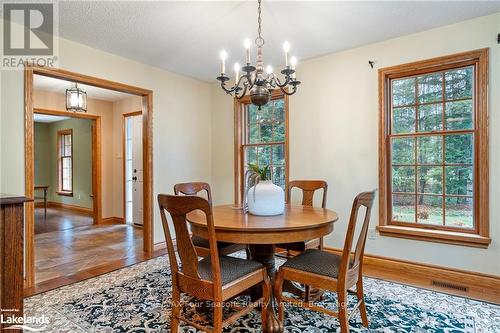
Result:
[{"x": 134, "y": 179}]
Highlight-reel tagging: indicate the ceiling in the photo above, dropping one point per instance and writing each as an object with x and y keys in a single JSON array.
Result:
[
  {"x": 186, "y": 36},
  {"x": 56, "y": 85},
  {"x": 46, "y": 118}
]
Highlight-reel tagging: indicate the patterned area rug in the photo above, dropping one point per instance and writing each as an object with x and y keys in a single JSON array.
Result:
[{"x": 136, "y": 299}]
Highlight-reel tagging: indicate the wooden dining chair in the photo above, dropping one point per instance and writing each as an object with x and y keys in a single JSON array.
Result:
[
  {"x": 329, "y": 271},
  {"x": 215, "y": 278},
  {"x": 308, "y": 187},
  {"x": 201, "y": 244}
]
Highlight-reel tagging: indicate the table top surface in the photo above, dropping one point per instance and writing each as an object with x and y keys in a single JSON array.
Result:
[
  {"x": 10, "y": 199},
  {"x": 226, "y": 217},
  {"x": 41, "y": 186}
]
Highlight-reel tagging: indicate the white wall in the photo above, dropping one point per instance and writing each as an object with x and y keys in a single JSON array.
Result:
[
  {"x": 334, "y": 128},
  {"x": 181, "y": 118}
]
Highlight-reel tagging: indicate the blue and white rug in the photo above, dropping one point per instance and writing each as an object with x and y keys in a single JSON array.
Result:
[{"x": 136, "y": 299}]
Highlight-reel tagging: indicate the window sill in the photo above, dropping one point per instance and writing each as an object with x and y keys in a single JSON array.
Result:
[
  {"x": 439, "y": 236},
  {"x": 65, "y": 193}
]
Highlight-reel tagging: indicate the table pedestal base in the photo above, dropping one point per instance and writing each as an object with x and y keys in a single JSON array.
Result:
[{"x": 265, "y": 255}]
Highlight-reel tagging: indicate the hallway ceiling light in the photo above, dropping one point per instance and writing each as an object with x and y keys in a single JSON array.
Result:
[
  {"x": 258, "y": 79},
  {"x": 76, "y": 99}
]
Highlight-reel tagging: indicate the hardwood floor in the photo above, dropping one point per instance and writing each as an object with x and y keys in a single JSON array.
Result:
[
  {"x": 59, "y": 219},
  {"x": 92, "y": 272},
  {"x": 75, "y": 249}
]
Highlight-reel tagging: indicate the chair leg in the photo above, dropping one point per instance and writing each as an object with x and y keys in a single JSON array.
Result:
[
  {"x": 361, "y": 298},
  {"x": 247, "y": 250},
  {"x": 344, "y": 323},
  {"x": 307, "y": 293},
  {"x": 266, "y": 291},
  {"x": 217, "y": 328},
  {"x": 278, "y": 289},
  {"x": 176, "y": 309}
]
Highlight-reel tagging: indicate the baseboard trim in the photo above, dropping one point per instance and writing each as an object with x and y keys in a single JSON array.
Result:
[
  {"x": 112, "y": 220},
  {"x": 452, "y": 281},
  {"x": 74, "y": 208},
  {"x": 161, "y": 246},
  {"x": 457, "y": 282}
]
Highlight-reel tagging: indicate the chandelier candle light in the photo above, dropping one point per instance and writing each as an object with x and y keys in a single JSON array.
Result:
[{"x": 254, "y": 78}]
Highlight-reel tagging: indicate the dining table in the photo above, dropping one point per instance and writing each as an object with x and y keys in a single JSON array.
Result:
[{"x": 262, "y": 233}]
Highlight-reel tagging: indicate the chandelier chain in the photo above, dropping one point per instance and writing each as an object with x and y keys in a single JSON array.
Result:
[{"x": 259, "y": 41}]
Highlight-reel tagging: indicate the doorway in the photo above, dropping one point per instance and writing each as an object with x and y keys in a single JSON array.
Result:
[
  {"x": 147, "y": 175},
  {"x": 66, "y": 173},
  {"x": 133, "y": 168}
]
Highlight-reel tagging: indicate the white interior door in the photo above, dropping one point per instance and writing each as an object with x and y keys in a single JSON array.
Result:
[{"x": 134, "y": 171}]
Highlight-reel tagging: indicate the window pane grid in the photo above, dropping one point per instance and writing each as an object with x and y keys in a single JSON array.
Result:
[
  {"x": 271, "y": 155},
  {"x": 428, "y": 118},
  {"x": 65, "y": 145},
  {"x": 395, "y": 107},
  {"x": 65, "y": 142},
  {"x": 266, "y": 125},
  {"x": 264, "y": 138}
]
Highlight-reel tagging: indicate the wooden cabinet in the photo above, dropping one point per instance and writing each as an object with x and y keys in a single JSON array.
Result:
[{"x": 11, "y": 255}]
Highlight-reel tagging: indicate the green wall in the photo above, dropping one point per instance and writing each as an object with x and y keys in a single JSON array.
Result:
[
  {"x": 42, "y": 155},
  {"x": 46, "y": 160}
]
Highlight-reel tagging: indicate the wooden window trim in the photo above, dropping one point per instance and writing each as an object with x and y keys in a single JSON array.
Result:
[
  {"x": 480, "y": 236},
  {"x": 239, "y": 122},
  {"x": 60, "y": 191}
]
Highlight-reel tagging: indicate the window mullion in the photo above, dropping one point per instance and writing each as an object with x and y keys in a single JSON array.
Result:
[{"x": 443, "y": 119}]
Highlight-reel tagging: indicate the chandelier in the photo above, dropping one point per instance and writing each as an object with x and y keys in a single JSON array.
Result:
[
  {"x": 76, "y": 99},
  {"x": 253, "y": 78}
]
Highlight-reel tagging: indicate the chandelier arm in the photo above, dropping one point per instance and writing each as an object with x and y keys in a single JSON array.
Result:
[
  {"x": 228, "y": 91},
  {"x": 235, "y": 88},
  {"x": 251, "y": 83},
  {"x": 240, "y": 81},
  {"x": 244, "y": 92},
  {"x": 294, "y": 90},
  {"x": 278, "y": 82}
]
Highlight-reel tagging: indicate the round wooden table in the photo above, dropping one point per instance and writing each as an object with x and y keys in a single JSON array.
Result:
[{"x": 262, "y": 233}]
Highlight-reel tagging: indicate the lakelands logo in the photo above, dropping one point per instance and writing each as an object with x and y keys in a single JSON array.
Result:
[
  {"x": 28, "y": 34},
  {"x": 25, "y": 323}
]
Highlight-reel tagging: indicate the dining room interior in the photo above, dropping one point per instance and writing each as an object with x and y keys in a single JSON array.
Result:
[{"x": 250, "y": 166}]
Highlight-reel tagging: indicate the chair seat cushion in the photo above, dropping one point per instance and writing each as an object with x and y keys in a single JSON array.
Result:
[
  {"x": 316, "y": 262},
  {"x": 203, "y": 242},
  {"x": 231, "y": 268}
]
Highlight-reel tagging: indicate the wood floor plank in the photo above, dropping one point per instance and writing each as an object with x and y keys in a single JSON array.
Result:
[{"x": 69, "y": 248}]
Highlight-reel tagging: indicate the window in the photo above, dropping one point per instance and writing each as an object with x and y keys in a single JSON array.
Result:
[
  {"x": 65, "y": 162},
  {"x": 261, "y": 138},
  {"x": 434, "y": 176}
]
